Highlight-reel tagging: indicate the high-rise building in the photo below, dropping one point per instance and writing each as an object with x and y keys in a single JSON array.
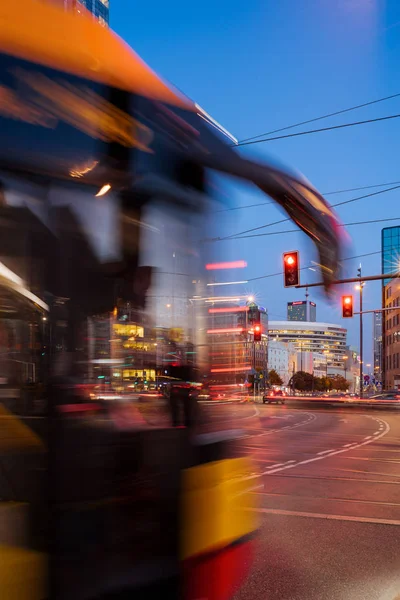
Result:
[
  {"x": 390, "y": 250},
  {"x": 234, "y": 354},
  {"x": 302, "y": 310},
  {"x": 391, "y": 328},
  {"x": 378, "y": 346},
  {"x": 99, "y": 8},
  {"x": 390, "y": 258}
]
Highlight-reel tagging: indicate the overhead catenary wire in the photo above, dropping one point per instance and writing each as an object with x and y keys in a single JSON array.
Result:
[
  {"x": 235, "y": 235},
  {"x": 327, "y": 116},
  {"x": 344, "y": 191},
  {"x": 243, "y": 237},
  {"x": 321, "y": 130}
]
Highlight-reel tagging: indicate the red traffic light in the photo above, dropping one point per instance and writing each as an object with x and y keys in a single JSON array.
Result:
[
  {"x": 257, "y": 332},
  {"x": 291, "y": 275},
  {"x": 347, "y": 307}
]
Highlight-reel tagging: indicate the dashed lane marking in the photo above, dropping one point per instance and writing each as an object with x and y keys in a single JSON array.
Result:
[
  {"x": 325, "y": 499},
  {"x": 364, "y": 472},
  {"x": 332, "y": 478},
  {"x": 312, "y": 515},
  {"x": 311, "y": 417},
  {"x": 327, "y": 455}
]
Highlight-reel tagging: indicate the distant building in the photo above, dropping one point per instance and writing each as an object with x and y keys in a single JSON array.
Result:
[
  {"x": 99, "y": 8},
  {"x": 282, "y": 359},
  {"x": 322, "y": 338},
  {"x": 391, "y": 359},
  {"x": 390, "y": 250},
  {"x": 378, "y": 347},
  {"x": 302, "y": 310},
  {"x": 233, "y": 353}
]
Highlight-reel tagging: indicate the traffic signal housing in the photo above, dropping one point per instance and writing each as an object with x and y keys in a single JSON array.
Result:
[
  {"x": 291, "y": 269},
  {"x": 257, "y": 332},
  {"x": 347, "y": 307}
]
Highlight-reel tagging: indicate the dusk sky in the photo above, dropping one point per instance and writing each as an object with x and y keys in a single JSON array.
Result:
[{"x": 260, "y": 65}]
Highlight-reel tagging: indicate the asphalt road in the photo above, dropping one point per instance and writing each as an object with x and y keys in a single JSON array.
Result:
[{"x": 327, "y": 482}]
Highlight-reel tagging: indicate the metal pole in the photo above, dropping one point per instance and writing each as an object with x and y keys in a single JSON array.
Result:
[
  {"x": 361, "y": 335},
  {"x": 254, "y": 369},
  {"x": 351, "y": 280}
]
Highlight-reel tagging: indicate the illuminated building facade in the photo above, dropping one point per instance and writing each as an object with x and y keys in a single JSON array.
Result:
[
  {"x": 234, "y": 355},
  {"x": 392, "y": 335},
  {"x": 325, "y": 338},
  {"x": 378, "y": 347}
]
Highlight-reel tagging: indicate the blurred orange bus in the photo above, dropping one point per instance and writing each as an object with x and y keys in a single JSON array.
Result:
[{"x": 103, "y": 178}]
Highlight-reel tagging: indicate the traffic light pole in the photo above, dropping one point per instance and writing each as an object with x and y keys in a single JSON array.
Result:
[{"x": 351, "y": 280}]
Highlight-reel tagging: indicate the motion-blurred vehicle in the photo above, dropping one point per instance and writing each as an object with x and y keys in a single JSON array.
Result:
[
  {"x": 388, "y": 395},
  {"x": 103, "y": 183},
  {"x": 277, "y": 396}
]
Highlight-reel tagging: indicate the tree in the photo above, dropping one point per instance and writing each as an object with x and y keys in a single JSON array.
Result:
[
  {"x": 274, "y": 378},
  {"x": 322, "y": 384},
  {"x": 303, "y": 381},
  {"x": 339, "y": 383}
]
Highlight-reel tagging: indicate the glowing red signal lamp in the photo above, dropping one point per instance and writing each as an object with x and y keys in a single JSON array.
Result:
[
  {"x": 291, "y": 269},
  {"x": 257, "y": 332},
  {"x": 347, "y": 307}
]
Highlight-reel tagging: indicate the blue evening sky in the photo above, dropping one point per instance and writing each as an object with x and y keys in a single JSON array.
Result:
[{"x": 262, "y": 64}]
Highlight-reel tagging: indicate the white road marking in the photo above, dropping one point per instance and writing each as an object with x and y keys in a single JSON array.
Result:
[
  {"x": 326, "y": 451},
  {"x": 333, "y": 499},
  {"x": 376, "y": 432},
  {"x": 311, "y": 417},
  {"x": 295, "y": 513},
  {"x": 347, "y": 445},
  {"x": 315, "y": 458}
]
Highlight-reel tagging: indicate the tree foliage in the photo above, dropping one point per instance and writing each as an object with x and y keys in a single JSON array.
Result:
[
  {"x": 274, "y": 378},
  {"x": 306, "y": 382}
]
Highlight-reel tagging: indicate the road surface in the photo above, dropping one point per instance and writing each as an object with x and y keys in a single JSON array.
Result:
[{"x": 327, "y": 483}]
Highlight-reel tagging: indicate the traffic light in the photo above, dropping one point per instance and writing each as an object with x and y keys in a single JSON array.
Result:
[
  {"x": 257, "y": 332},
  {"x": 347, "y": 307},
  {"x": 291, "y": 275}
]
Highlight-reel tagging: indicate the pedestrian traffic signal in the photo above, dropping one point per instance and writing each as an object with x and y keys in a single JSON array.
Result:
[
  {"x": 257, "y": 332},
  {"x": 347, "y": 307},
  {"x": 291, "y": 275}
]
